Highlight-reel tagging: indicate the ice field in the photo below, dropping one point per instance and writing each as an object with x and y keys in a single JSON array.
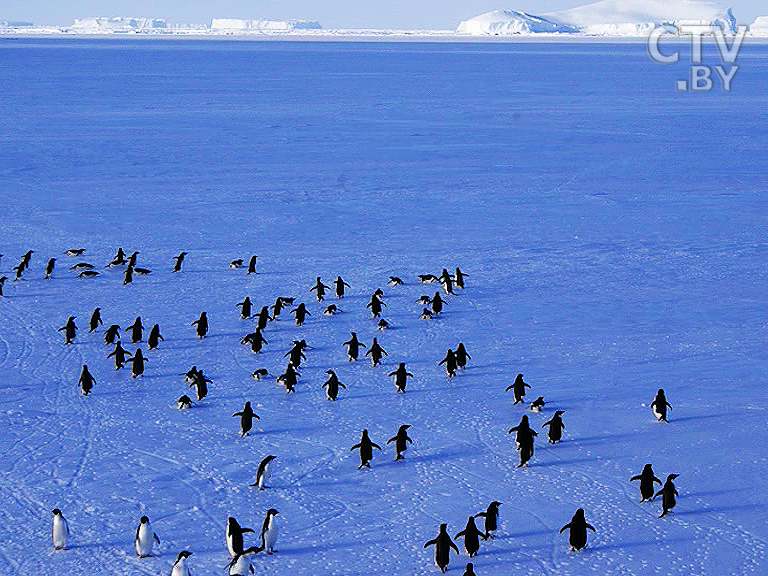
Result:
[{"x": 615, "y": 236}]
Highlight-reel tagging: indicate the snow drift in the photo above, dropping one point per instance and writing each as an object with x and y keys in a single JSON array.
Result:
[{"x": 509, "y": 22}]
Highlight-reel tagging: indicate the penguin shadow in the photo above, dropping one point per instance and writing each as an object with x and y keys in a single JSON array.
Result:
[
  {"x": 704, "y": 417},
  {"x": 325, "y": 546},
  {"x": 449, "y": 454},
  {"x": 327, "y": 482},
  {"x": 562, "y": 462},
  {"x": 713, "y": 509},
  {"x": 635, "y": 544},
  {"x": 602, "y": 439}
]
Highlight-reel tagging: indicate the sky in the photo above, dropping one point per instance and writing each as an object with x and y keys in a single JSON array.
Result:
[{"x": 402, "y": 14}]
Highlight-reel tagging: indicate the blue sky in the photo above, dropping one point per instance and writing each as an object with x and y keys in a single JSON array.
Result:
[{"x": 330, "y": 13}]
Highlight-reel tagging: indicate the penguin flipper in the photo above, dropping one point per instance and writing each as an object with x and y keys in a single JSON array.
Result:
[
  {"x": 640, "y": 478},
  {"x": 157, "y": 538},
  {"x": 564, "y": 528},
  {"x": 430, "y": 543}
]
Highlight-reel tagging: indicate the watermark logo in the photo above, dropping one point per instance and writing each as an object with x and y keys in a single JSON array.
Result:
[{"x": 702, "y": 77}]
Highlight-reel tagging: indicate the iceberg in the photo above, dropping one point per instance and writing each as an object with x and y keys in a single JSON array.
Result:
[
  {"x": 759, "y": 27},
  {"x": 510, "y": 22},
  {"x": 239, "y": 25}
]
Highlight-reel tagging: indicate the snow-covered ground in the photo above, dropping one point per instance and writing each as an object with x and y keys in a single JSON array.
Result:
[{"x": 614, "y": 232}]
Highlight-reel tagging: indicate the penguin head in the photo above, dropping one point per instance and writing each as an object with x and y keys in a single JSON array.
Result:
[
  {"x": 271, "y": 512},
  {"x": 648, "y": 469},
  {"x": 405, "y": 427},
  {"x": 56, "y": 512},
  {"x": 495, "y": 504},
  {"x": 660, "y": 392},
  {"x": 672, "y": 477},
  {"x": 525, "y": 419},
  {"x": 579, "y": 514},
  {"x": 144, "y": 520},
  {"x": 248, "y": 404},
  {"x": 559, "y": 412},
  {"x": 365, "y": 433},
  {"x": 443, "y": 527},
  {"x": 183, "y": 554}
]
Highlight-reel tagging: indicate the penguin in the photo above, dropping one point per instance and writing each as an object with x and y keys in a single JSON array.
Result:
[
  {"x": 401, "y": 439},
  {"x": 524, "y": 441},
  {"x": 659, "y": 406},
  {"x": 118, "y": 260},
  {"x": 383, "y": 324},
  {"x": 450, "y": 363},
  {"x": 141, "y": 271},
  {"x": 668, "y": 493},
  {"x": 235, "y": 536},
  {"x": 331, "y": 310},
  {"x": 137, "y": 368},
  {"x": 538, "y": 404},
  {"x": 246, "y": 419},
  {"x": 155, "y": 337},
  {"x": 119, "y": 354},
  {"x": 447, "y": 281},
  {"x": 277, "y": 307},
  {"x": 424, "y": 299},
  {"x": 443, "y": 545},
  {"x": 19, "y": 272},
  {"x": 375, "y": 305},
  {"x": 112, "y": 332},
  {"x": 180, "y": 566},
  {"x": 518, "y": 387},
  {"x": 521, "y": 430},
  {"x": 269, "y": 531},
  {"x": 470, "y": 571},
  {"x": 128, "y": 278},
  {"x": 88, "y": 274},
  {"x": 427, "y": 278},
  {"x": 145, "y": 538},
  {"x": 200, "y": 382},
  {"x": 252, "y": 265},
  {"x": 289, "y": 379},
  {"x": 75, "y": 252},
  {"x": 366, "y": 447},
  {"x": 461, "y": 356},
  {"x": 179, "y": 260},
  {"x": 245, "y": 308},
  {"x": 184, "y": 402},
  {"x": 556, "y": 427},
  {"x": 401, "y": 377},
  {"x": 264, "y": 317},
  {"x": 95, "y": 319},
  {"x": 332, "y": 385},
  {"x": 132, "y": 259},
  {"x": 70, "y": 329},
  {"x": 82, "y": 266},
  {"x": 241, "y": 565},
  {"x": 287, "y": 300},
  {"x": 491, "y": 516},
  {"x": 296, "y": 354},
  {"x": 136, "y": 330},
  {"x": 353, "y": 347},
  {"x": 190, "y": 375},
  {"x": 202, "y": 325},
  {"x": 26, "y": 258},
  {"x": 49, "y": 268},
  {"x": 321, "y": 288},
  {"x": 2, "y": 281},
  {"x": 264, "y": 472},
  {"x": 376, "y": 352},
  {"x": 647, "y": 478},
  {"x": 396, "y": 281},
  {"x": 471, "y": 537},
  {"x": 437, "y": 303},
  {"x": 460, "y": 277},
  {"x": 60, "y": 530},
  {"x": 86, "y": 381},
  {"x": 259, "y": 373},
  {"x": 255, "y": 339},
  {"x": 340, "y": 284},
  {"x": 301, "y": 312},
  {"x": 578, "y": 526}
]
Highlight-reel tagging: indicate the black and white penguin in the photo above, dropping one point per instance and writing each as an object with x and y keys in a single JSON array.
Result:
[
  {"x": 179, "y": 260},
  {"x": 660, "y": 405},
  {"x": 235, "y": 536},
  {"x": 75, "y": 252},
  {"x": 321, "y": 288},
  {"x": 462, "y": 355},
  {"x": 132, "y": 259},
  {"x": 241, "y": 564},
  {"x": 647, "y": 478},
  {"x": 236, "y": 263},
  {"x": 556, "y": 427},
  {"x": 383, "y": 324},
  {"x": 289, "y": 379},
  {"x": 2, "y": 281},
  {"x": 202, "y": 325},
  {"x": 332, "y": 310},
  {"x": 119, "y": 258},
  {"x": 296, "y": 354},
  {"x": 470, "y": 571},
  {"x": 200, "y": 382},
  {"x": 460, "y": 277},
  {"x": 424, "y": 299},
  {"x": 145, "y": 538},
  {"x": 245, "y": 308},
  {"x": 396, "y": 281},
  {"x": 578, "y": 526},
  {"x": 277, "y": 307},
  {"x": 19, "y": 272},
  {"x": 437, "y": 303},
  {"x": 259, "y": 373},
  {"x": 128, "y": 278},
  {"x": 301, "y": 313},
  {"x": 252, "y": 265},
  {"x": 447, "y": 281},
  {"x": 141, "y": 271},
  {"x": 82, "y": 266},
  {"x": 263, "y": 318},
  {"x": 190, "y": 375},
  {"x": 60, "y": 530},
  {"x": 26, "y": 258},
  {"x": 49, "y": 268},
  {"x": 86, "y": 381},
  {"x": 95, "y": 319},
  {"x": 668, "y": 493},
  {"x": 366, "y": 446},
  {"x": 491, "y": 516},
  {"x": 155, "y": 337},
  {"x": 524, "y": 440},
  {"x": 518, "y": 387},
  {"x": 340, "y": 284},
  {"x": 471, "y": 537},
  {"x": 184, "y": 402},
  {"x": 450, "y": 363},
  {"x": 375, "y": 305},
  {"x": 246, "y": 419},
  {"x": 255, "y": 339},
  {"x": 332, "y": 385},
  {"x": 88, "y": 274},
  {"x": 269, "y": 531},
  {"x": 137, "y": 330},
  {"x": 137, "y": 366},
  {"x": 443, "y": 545},
  {"x": 120, "y": 355},
  {"x": 401, "y": 439},
  {"x": 264, "y": 472},
  {"x": 353, "y": 347},
  {"x": 427, "y": 278},
  {"x": 376, "y": 352},
  {"x": 180, "y": 567},
  {"x": 69, "y": 329},
  {"x": 401, "y": 377},
  {"x": 111, "y": 334},
  {"x": 538, "y": 404}
]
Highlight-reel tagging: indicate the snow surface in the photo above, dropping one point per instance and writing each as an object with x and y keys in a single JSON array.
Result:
[
  {"x": 615, "y": 237},
  {"x": 509, "y": 22}
]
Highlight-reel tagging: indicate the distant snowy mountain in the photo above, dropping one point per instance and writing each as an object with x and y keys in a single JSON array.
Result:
[
  {"x": 236, "y": 24},
  {"x": 759, "y": 27},
  {"x": 510, "y": 22},
  {"x": 623, "y": 17}
]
